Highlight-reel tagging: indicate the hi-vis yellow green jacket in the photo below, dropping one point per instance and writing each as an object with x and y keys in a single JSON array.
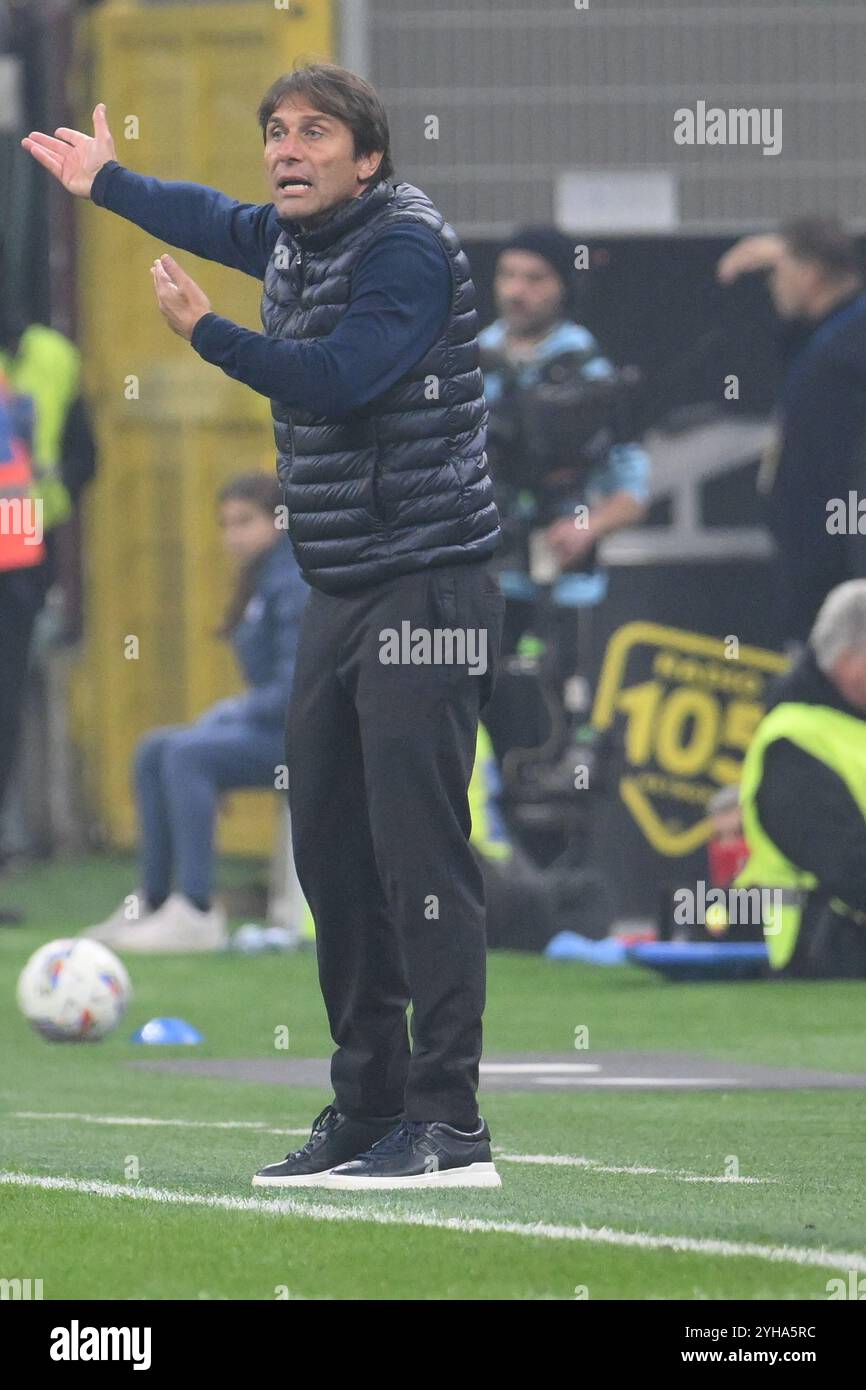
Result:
[
  {"x": 46, "y": 367},
  {"x": 839, "y": 741}
]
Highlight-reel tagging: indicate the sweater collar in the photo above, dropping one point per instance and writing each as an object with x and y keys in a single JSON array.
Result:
[{"x": 345, "y": 218}]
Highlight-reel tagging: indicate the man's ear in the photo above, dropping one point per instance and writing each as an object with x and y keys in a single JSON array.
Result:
[{"x": 377, "y": 156}]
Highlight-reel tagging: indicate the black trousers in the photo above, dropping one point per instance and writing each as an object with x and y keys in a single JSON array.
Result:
[{"x": 380, "y": 753}]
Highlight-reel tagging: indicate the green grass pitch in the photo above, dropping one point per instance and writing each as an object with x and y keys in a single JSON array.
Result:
[{"x": 166, "y": 1211}]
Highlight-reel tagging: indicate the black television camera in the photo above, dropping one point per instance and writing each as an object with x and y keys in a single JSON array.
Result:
[{"x": 546, "y": 436}]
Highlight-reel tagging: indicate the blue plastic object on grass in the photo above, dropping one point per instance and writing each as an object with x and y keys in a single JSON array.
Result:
[
  {"x": 570, "y": 945},
  {"x": 167, "y": 1030},
  {"x": 702, "y": 960}
]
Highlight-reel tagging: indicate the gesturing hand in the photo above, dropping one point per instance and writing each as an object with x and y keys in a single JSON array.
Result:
[
  {"x": 180, "y": 300},
  {"x": 749, "y": 254},
  {"x": 72, "y": 157}
]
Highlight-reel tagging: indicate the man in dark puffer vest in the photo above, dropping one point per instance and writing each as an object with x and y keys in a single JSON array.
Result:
[{"x": 370, "y": 360}]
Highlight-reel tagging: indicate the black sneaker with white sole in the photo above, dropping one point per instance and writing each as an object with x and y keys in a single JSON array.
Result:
[
  {"x": 420, "y": 1153},
  {"x": 334, "y": 1139}
]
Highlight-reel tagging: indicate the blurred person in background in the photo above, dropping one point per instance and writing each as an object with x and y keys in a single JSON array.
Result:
[
  {"x": 727, "y": 854},
  {"x": 181, "y": 770},
  {"x": 803, "y": 799},
  {"x": 815, "y": 280},
  {"x": 22, "y": 571},
  {"x": 48, "y": 457},
  {"x": 727, "y": 850},
  {"x": 540, "y": 477},
  {"x": 566, "y": 469}
]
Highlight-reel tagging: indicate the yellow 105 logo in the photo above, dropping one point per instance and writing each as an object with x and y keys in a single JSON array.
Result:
[{"x": 689, "y": 705}]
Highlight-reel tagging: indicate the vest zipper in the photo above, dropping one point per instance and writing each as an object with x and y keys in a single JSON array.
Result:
[
  {"x": 298, "y": 261},
  {"x": 299, "y": 258}
]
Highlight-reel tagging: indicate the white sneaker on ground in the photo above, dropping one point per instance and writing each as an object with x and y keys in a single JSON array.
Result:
[
  {"x": 122, "y": 919},
  {"x": 175, "y": 927}
]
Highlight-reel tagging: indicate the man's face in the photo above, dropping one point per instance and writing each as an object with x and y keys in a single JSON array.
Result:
[
  {"x": 528, "y": 291},
  {"x": 792, "y": 285},
  {"x": 727, "y": 825},
  {"x": 247, "y": 529},
  {"x": 849, "y": 676},
  {"x": 317, "y": 150}
]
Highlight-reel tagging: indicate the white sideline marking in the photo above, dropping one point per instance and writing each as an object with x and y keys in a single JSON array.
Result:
[
  {"x": 573, "y": 1161},
  {"x": 702, "y": 1081},
  {"x": 533, "y": 1068},
  {"x": 258, "y": 1125},
  {"x": 286, "y": 1206}
]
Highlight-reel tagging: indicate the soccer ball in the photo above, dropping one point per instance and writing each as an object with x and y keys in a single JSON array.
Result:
[{"x": 74, "y": 990}]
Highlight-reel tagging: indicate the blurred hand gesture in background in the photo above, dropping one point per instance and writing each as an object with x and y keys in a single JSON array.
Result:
[{"x": 750, "y": 254}]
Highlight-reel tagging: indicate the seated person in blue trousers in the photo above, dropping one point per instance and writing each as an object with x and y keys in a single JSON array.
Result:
[{"x": 181, "y": 770}]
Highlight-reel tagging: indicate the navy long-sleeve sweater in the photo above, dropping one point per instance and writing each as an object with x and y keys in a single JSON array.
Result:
[{"x": 399, "y": 298}]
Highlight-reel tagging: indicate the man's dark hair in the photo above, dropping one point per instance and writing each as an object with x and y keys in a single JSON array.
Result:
[
  {"x": 824, "y": 241},
  {"x": 336, "y": 91}
]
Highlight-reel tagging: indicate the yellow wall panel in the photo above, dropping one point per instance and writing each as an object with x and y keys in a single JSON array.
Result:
[{"x": 185, "y": 81}]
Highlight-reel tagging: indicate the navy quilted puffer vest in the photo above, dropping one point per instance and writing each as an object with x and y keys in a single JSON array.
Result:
[{"x": 402, "y": 483}]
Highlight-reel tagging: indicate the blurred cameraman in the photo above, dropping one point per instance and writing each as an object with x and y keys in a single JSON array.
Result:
[{"x": 566, "y": 467}]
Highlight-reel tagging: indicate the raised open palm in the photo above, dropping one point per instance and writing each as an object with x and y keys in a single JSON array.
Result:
[{"x": 72, "y": 157}]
